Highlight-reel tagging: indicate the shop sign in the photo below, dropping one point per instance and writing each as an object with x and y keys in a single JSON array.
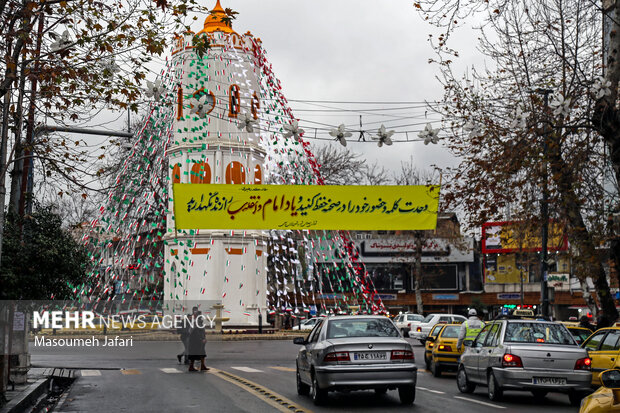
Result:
[
  {"x": 450, "y": 297},
  {"x": 508, "y": 296}
]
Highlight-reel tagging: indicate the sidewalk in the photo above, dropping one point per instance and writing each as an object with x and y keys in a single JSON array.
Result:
[{"x": 26, "y": 394}]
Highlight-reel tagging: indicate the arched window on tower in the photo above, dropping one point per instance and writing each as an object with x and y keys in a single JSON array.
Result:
[
  {"x": 235, "y": 173},
  {"x": 176, "y": 174},
  {"x": 255, "y": 105},
  {"x": 258, "y": 175},
  {"x": 201, "y": 173},
  {"x": 234, "y": 101}
]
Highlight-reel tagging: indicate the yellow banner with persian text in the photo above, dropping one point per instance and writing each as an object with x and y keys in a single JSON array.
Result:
[{"x": 218, "y": 206}]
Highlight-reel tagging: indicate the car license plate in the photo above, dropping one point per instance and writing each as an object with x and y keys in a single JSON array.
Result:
[
  {"x": 549, "y": 380},
  {"x": 370, "y": 355}
]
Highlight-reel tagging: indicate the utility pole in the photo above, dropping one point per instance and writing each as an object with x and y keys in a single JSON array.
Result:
[{"x": 544, "y": 209}]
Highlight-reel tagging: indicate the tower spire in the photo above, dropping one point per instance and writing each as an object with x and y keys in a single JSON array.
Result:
[{"x": 216, "y": 21}]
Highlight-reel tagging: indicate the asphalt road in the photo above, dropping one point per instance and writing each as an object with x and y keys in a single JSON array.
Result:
[{"x": 246, "y": 376}]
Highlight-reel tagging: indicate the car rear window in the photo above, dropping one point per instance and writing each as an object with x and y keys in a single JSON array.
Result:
[
  {"x": 414, "y": 317},
  {"x": 361, "y": 327},
  {"x": 428, "y": 318},
  {"x": 451, "y": 332},
  {"x": 525, "y": 332}
]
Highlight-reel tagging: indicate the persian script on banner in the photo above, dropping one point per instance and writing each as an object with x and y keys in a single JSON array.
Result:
[{"x": 325, "y": 207}]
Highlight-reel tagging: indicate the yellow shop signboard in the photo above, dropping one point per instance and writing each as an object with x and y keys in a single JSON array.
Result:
[{"x": 218, "y": 206}]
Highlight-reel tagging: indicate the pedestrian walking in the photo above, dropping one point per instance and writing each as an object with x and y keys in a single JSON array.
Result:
[
  {"x": 196, "y": 342},
  {"x": 183, "y": 332},
  {"x": 469, "y": 329}
]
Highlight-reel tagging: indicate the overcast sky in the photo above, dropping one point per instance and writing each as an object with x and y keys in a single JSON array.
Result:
[{"x": 352, "y": 50}]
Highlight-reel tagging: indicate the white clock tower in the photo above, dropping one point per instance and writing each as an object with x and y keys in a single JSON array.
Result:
[{"x": 219, "y": 93}]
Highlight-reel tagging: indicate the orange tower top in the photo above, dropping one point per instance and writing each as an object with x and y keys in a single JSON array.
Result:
[{"x": 215, "y": 22}]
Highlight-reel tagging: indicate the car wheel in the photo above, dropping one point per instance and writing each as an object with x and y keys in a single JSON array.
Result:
[
  {"x": 423, "y": 342},
  {"x": 494, "y": 390},
  {"x": 435, "y": 368},
  {"x": 404, "y": 332},
  {"x": 463, "y": 383},
  {"x": 428, "y": 362},
  {"x": 575, "y": 398},
  {"x": 318, "y": 395},
  {"x": 539, "y": 394},
  {"x": 406, "y": 394},
  {"x": 302, "y": 388},
  {"x": 381, "y": 390}
]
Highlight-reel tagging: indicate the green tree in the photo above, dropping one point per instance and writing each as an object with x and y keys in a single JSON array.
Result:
[{"x": 43, "y": 263}]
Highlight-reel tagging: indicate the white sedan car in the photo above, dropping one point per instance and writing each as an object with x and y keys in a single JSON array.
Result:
[{"x": 306, "y": 324}]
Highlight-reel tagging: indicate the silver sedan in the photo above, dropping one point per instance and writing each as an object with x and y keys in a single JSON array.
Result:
[
  {"x": 538, "y": 356},
  {"x": 357, "y": 352}
]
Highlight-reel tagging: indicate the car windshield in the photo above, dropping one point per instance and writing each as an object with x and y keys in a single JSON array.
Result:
[
  {"x": 361, "y": 327},
  {"x": 537, "y": 333},
  {"x": 451, "y": 332},
  {"x": 428, "y": 318},
  {"x": 414, "y": 317}
]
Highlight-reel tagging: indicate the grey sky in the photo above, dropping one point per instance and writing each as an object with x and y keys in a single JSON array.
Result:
[{"x": 351, "y": 50}]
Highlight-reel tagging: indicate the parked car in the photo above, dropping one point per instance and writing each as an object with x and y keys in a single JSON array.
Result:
[
  {"x": 603, "y": 348},
  {"x": 420, "y": 329},
  {"x": 604, "y": 400},
  {"x": 531, "y": 355},
  {"x": 445, "y": 355},
  {"x": 357, "y": 352},
  {"x": 306, "y": 324},
  {"x": 403, "y": 322}
]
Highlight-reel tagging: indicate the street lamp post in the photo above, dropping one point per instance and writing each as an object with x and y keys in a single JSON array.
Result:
[{"x": 544, "y": 212}]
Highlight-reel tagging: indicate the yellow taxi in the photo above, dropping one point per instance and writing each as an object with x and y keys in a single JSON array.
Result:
[
  {"x": 430, "y": 343},
  {"x": 607, "y": 398},
  {"x": 445, "y": 355},
  {"x": 604, "y": 349}
]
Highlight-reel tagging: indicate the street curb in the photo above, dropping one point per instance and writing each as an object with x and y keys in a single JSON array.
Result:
[{"x": 27, "y": 397}]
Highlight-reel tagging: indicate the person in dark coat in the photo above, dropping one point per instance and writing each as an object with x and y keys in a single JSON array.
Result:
[
  {"x": 196, "y": 343},
  {"x": 585, "y": 322},
  {"x": 602, "y": 321},
  {"x": 184, "y": 336}
]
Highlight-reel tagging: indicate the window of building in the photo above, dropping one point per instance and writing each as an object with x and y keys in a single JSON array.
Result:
[
  {"x": 201, "y": 173},
  {"x": 234, "y": 101},
  {"x": 235, "y": 173}
]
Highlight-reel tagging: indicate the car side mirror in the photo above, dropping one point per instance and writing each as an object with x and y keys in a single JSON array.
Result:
[
  {"x": 610, "y": 379},
  {"x": 299, "y": 340},
  {"x": 468, "y": 343},
  {"x": 431, "y": 339}
]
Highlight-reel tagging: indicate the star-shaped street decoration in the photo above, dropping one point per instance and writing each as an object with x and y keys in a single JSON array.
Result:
[
  {"x": 340, "y": 134},
  {"x": 293, "y": 130},
  {"x": 429, "y": 135},
  {"x": 247, "y": 122},
  {"x": 60, "y": 41},
  {"x": 201, "y": 105},
  {"x": 383, "y": 136},
  {"x": 154, "y": 89}
]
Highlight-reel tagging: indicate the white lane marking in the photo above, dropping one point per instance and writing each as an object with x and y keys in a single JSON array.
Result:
[
  {"x": 247, "y": 369},
  {"x": 170, "y": 370},
  {"x": 431, "y": 390},
  {"x": 90, "y": 373},
  {"x": 479, "y": 402}
]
